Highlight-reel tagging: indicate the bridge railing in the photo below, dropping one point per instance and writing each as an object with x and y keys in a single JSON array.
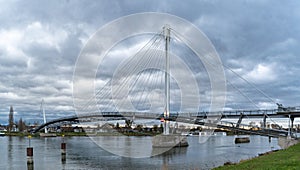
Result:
[{"x": 250, "y": 112}]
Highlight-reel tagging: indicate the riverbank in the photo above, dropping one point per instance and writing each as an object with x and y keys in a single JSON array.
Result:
[{"x": 283, "y": 159}]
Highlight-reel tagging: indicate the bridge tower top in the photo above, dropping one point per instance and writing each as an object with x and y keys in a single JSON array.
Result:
[{"x": 44, "y": 114}]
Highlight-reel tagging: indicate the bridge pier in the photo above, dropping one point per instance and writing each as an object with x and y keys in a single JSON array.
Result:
[
  {"x": 240, "y": 120},
  {"x": 292, "y": 124},
  {"x": 166, "y": 127},
  {"x": 265, "y": 121}
]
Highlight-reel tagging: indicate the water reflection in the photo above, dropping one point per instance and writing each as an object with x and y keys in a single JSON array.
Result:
[
  {"x": 30, "y": 166},
  {"x": 170, "y": 152},
  {"x": 126, "y": 146},
  {"x": 63, "y": 158},
  {"x": 169, "y": 155},
  {"x": 10, "y": 150}
]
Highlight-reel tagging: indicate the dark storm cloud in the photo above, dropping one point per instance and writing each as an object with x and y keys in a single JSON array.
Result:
[{"x": 40, "y": 42}]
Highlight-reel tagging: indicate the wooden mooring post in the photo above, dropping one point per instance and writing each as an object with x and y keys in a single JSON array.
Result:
[
  {"x": 63, "y": 148},
  {"x": 29, "y": 151}
]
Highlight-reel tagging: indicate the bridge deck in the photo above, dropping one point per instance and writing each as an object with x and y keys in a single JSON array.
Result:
[{"x": 191, "y": 118}]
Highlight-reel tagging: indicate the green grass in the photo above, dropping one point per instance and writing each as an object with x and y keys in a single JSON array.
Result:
[
  {"x": 16, "y": 134},
  {"x": 288, "y": 159}
]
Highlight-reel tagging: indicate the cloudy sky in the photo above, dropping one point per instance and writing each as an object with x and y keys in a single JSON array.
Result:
[{"x": 41, "y": 40}]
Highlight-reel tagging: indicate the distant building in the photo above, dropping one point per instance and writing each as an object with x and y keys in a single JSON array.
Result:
[{"x": 11, "y": 119}]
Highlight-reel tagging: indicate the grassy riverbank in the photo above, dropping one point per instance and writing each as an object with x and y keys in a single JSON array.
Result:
[{"x": 283, "y": 159}]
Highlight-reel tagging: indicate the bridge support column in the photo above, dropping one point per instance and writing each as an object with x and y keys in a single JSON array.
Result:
[
  {"x": 166, "y": 127},
  {"x": 240, "y": 120},
  {"x": 289, "y": 127},
  {"x": 265, "y": 121},
  {"x": 292, "y": 124}
]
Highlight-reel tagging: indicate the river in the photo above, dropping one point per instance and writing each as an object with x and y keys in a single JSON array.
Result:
[{"x": 83, "y": 153}]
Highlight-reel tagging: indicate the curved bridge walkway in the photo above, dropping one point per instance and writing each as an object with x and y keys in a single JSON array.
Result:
[{"x": 200, "y": 118}]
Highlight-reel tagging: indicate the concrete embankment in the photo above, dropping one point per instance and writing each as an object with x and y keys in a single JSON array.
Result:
[{"x": 285, "y": 142}]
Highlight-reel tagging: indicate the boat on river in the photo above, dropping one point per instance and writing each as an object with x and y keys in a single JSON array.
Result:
[{"x": 242, "y": 140}]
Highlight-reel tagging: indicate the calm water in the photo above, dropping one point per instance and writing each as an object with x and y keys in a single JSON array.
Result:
[{"x": 83, "y": 153}]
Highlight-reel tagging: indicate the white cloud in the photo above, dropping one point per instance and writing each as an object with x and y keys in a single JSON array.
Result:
[
  {"x": 44, "y": 35},
  {"x": 10, "y": 46},
  {"x": 266, "y": 105},
  {"x": 15, "y": 42},
  {"x": 262, "y": 73}
]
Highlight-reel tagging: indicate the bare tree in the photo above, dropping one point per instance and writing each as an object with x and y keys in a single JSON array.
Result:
[{"x": 21, "y": 125}]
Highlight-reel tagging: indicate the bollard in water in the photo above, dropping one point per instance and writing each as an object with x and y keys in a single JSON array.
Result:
[
  {"x": 63, "y": 146},
  {"x": 29, "y": 155},
  {"x": 270, "y": 139},
  {"x": 29, "y": 152}
]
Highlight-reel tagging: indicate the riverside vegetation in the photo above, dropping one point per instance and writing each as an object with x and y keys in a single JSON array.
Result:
[{"x": 287, "y": 159}]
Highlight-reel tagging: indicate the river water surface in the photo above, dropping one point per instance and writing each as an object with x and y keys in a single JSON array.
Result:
[{"x": 83, "y": 153}]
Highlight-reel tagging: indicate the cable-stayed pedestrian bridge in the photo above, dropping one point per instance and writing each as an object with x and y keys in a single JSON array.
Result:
[
  {"x": 156, "y": 78},
  {"x": 199, "y": 118}
]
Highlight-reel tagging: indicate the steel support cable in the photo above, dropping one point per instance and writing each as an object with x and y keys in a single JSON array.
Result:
[
  {"x": 91, "y": 99},
  {"x": 141, "y": 74},
  {"x": 251, "y": 84},
  {"x": 242, "y": 95},
  {"x": 90, "y": 102},
  {"x": 139, "y": 64},
  {"x": 149, "y": 60},
  {"x": 128, "y": 64},
  {"x": 89, "y": 106},
  {"x": 144, "y": 47},
  {"x": 134, "y": 64},
  {"x": 174, "y": 85},
  {"x": 152, "y": 71},
  {"x": 241, "y": 78},
  {"x": 250, "y": 101},
  {"x": 189, "y": 55},
  {"x": 247, "y": 97},
  {"x": 145, "y": 64},
  {"x": 103, "y": 99},
  {"x": 208, "y": 62},
  {"x": 149, "y": 74}
]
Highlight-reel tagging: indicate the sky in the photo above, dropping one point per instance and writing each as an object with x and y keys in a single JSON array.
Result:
[{"x": 40, "y": 42}]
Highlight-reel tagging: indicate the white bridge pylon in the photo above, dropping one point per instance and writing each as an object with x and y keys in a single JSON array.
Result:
[
  {"x": 44, "y": 115},
  {"x": 167, "y": 80}
]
